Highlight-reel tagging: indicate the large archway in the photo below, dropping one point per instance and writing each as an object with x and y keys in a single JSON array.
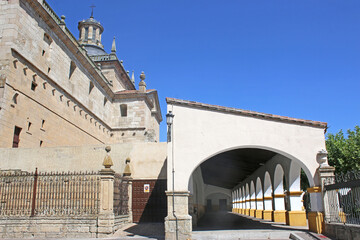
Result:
[
  {"x": 208, "y": 140},
  {"x": 261, "y": 173}
]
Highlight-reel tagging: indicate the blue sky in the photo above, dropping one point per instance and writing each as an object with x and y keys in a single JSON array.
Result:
[{"x": 295, "y": 58}]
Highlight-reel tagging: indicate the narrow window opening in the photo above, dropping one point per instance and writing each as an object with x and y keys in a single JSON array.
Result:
[
  {"x": 42, "y": 123},
  {"x": 91, "y": 86},
  {"x": 33, "y": 85},
  {"x": 29, "y": 125},
  {"x": 72, "y": 69},
  {"x": 41, "y": 142},
  {"x": 86, "y": 33},
  {"x": 16, "y": 139},
  {"x": 94, "y": 34},
  {"x": 14, "y": 99},
  {"x": 47, "y": 38},
  {"x": 43, "y": 53},
  {"x": 123, "y": 110},
  {"x": 105, "y": 100},
  {"x": 49, "y": 69}
]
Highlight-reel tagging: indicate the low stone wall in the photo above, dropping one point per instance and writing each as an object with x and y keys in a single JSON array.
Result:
[
  {"x": 50, "y": 227},
  {"x": 54, "y": 227},
  {"x": 342, "y": 232},
  {"x": 121, "y": 221}
]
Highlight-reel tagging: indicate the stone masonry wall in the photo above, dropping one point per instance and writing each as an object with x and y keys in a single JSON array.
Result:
[
  {"x": 67, "y": 106},
  {"x": 29, "y": 227}
]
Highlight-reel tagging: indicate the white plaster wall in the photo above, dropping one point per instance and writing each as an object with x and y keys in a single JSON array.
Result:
[{"x": 199, "y": 134}]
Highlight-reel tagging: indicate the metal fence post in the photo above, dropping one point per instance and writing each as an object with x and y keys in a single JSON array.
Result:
[{"x": 34, "y": 194}]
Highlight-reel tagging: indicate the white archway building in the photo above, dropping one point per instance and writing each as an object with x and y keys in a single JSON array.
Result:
[{"x": 202, "y": 133}]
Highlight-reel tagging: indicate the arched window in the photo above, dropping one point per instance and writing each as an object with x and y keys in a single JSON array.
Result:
[
  {"x": 86, "y": 33},
  {"x": 94, "y": 34}
]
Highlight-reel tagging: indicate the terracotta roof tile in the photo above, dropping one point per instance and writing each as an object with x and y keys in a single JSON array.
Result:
[{"x": 246, "y": 112}]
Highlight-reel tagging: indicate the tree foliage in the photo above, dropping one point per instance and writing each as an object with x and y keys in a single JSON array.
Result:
[{"x": 344, "y": 151}]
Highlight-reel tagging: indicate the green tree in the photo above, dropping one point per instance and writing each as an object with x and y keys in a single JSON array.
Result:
[{"x": 344, "y": 151}]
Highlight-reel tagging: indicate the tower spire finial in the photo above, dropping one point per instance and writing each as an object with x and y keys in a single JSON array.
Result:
[
  {"x": 133, "y": 77},
  {"x": 92, "y": 11},
  {"x": 113, "y": 46}
]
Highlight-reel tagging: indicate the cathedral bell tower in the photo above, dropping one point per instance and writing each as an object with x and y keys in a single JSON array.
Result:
[{"x": 90, "y": 36}]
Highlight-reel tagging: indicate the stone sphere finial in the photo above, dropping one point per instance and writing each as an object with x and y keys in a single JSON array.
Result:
[
  {"x": 127, "y": 170},
  {"x": 107, "y": 149},
  {"x": 107, "y": 160},
  {"x": 142, "y": 76},
  {"x": 63, "y": 18}
]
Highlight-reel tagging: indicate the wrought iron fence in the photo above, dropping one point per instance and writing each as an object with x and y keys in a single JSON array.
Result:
[
  {"x": 49, "y": 194},
  {"x": 343, "y": 197},
  {"x": 121, "y": 195}
]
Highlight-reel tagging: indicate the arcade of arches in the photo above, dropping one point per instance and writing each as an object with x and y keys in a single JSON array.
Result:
[{"x": 246, "y": 162}]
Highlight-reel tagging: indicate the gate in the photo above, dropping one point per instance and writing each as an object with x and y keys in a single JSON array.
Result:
[
  {"x": 343, "y": 198},
  {"x": 149, "y": 200}
]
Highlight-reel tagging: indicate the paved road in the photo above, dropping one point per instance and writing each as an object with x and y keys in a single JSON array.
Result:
[{"x": 219, "y": 226}]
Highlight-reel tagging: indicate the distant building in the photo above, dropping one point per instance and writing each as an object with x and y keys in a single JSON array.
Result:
[{"x": 56, "y": 90}]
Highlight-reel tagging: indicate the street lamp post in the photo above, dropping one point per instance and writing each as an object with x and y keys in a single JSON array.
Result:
[{"x": 169, "y": 122}]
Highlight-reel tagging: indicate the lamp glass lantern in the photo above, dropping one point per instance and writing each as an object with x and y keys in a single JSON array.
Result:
[
  {"x": 169, "y": 118},
  {"x": 169, "y": 121}
]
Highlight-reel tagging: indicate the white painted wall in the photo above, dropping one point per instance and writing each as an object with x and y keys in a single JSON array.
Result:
[{"x": 199, "y": 134}]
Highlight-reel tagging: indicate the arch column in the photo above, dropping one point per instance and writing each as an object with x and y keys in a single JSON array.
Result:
[
  {"x": 268, "y": 208},
  {"x": 178, "y": 224},
  {"x": 268, "y": 199},
  {"x": 243, "y": 202},
  {"x": 234, "y": 201},
  {"x": 259, "y": 200},
  {"x": 252, "y": 199},
  {"x": 279, "y": 213},
  {"x": 296, "y": 216},
  {"x": 247, "y": 200},
  {"x": 319, "y": 199},
  {"x": 239, "y": 201}
]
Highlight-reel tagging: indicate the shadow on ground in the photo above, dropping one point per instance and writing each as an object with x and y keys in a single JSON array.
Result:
[
  {"x": 231, "y": 221},
  {"x": 147, "y": 230}
]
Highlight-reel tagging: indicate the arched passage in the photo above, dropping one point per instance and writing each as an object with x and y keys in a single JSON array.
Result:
[
  {"x": 251, "y": 178},
  {"x": 204, "y": 138}
]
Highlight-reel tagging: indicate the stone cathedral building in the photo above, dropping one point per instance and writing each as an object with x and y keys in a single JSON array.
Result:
[
  {"x": 51, "y": 81},
  {"x": 64, "y": 99}
]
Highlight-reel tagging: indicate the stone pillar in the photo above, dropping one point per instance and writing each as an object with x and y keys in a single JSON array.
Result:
[
  {"x": 316, "y": 216},
  {"x": 106, "y": 216},
  {"x": 90, "y": 34},
  {"x": 252, "y": 206},
  {"x": 279, "y": 213},
  {"x": 241, "y": 208},
  {"x": 97, "y": 35},
  {"x": 296, "y": 216},
  {"x": 82, "y": 35},
  {"x": 130, "y": 181},
  {"x": 268, "y": 212},
  {"x": 178, "y": 224},
  {"x": 318, "y": 199},
  {"x": 247, "y": 206},
  {"x": 259, "y": 208}
]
